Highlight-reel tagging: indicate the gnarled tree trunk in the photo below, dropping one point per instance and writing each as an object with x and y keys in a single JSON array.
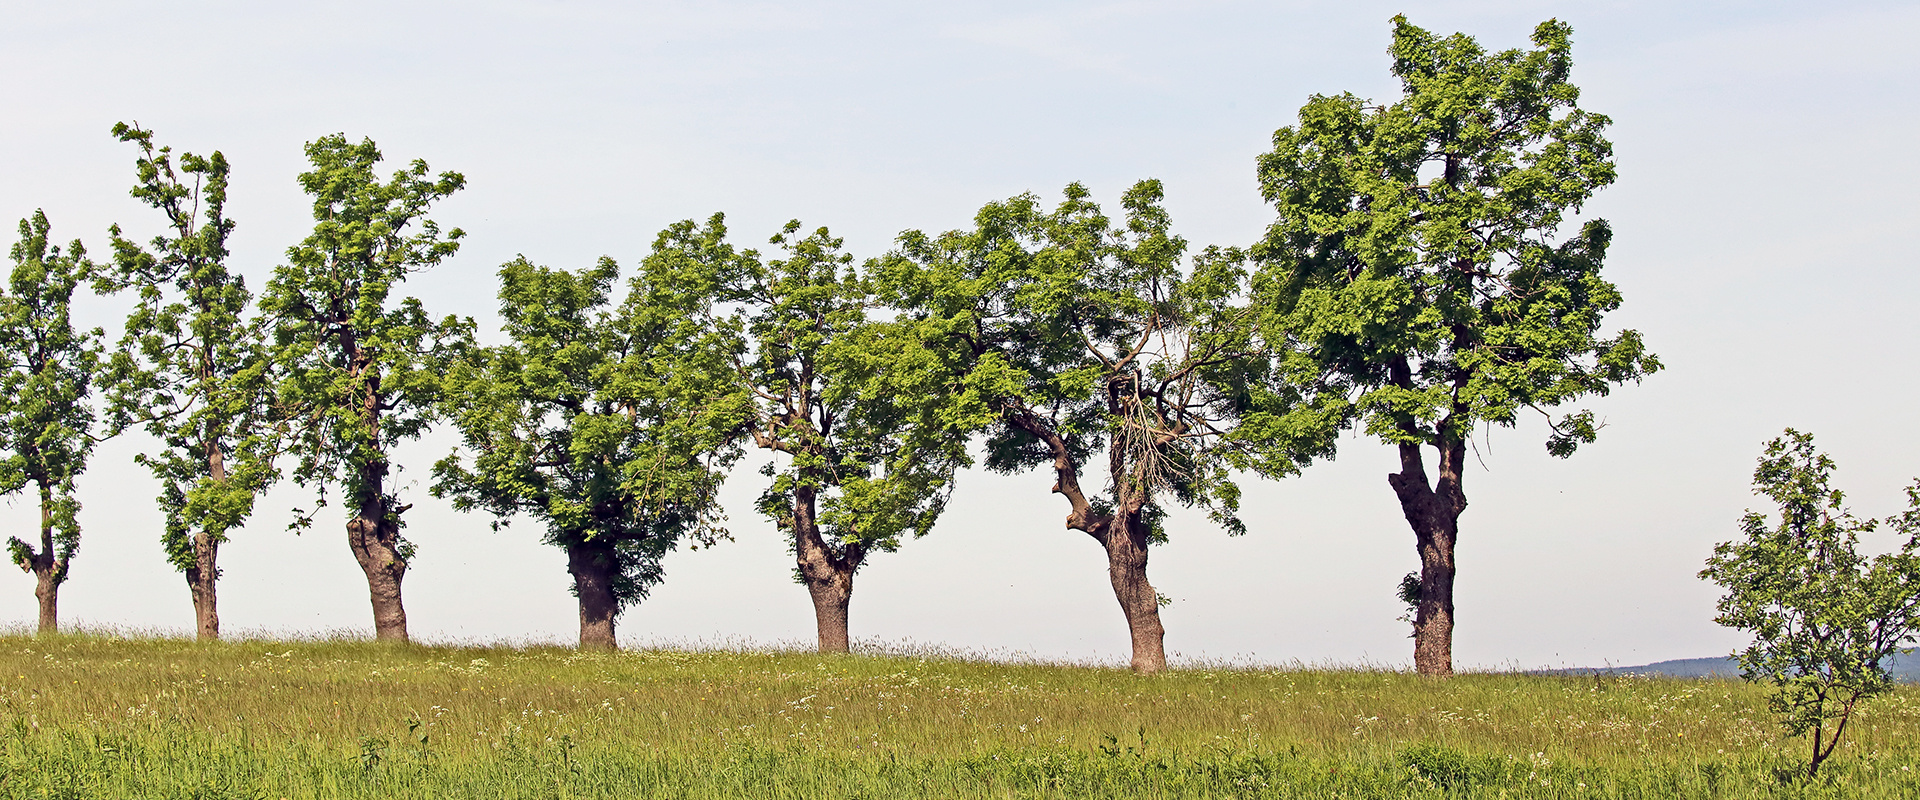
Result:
[
  {"x": 1433, "y": 511},
  {"x": 374, "y": 536},
  {"x": 1125, "y": 540},
  {"x": 1126, "y": 547},
  {"x": 829, "y": 577},
  {"x": 593, "y": 565},
  {"x": 201, "y": 580},
  {"x": 49, "y": 570}
]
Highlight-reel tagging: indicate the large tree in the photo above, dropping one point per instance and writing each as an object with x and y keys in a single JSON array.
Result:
[
  {"x": 844, "y": 402},
  {"x": 46, "y": 423},
  {"x": 1083, "y": 346},
  {"x": 192, "y": 367},
  {"x": 613, "y": 427},
  {"x": 1422, "y": 266},
  {"x": 358, "y": 371}
]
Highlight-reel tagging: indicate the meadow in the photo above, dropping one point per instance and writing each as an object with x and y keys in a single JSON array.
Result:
[{"x": 94, "y": 716}]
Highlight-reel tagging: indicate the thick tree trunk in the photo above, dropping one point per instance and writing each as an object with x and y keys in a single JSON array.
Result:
[
  {"x": 48, "y": 570},
  {"x": 829, "y": 578},
  {"x": 1125, "y": 542},
  {"x": 374, "y": 536},
  {"x": 48, "y": 593},
  {"x": 201, "y": 580},
  {"x": 1126, "y": 548},
  {"x": 1433, "y": 511},
  {"x": 593, "y": 566}
]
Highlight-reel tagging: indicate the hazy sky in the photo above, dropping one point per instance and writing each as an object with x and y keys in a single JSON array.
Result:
[{"x": 1764, "y": 216}]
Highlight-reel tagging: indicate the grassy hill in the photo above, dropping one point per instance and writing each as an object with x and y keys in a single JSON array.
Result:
[
  {"x": 95, "y": 717},
  {"x": 1903, "y": 668}
]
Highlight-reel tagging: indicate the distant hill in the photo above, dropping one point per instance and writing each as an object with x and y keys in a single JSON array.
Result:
[{"x": 1904, "y": 668}]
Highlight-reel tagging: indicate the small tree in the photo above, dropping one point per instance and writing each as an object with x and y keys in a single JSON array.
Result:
[
  {"x": 1414, "y": 271},
  {"x": 845, "y": 404},
  {"x": 614, "y": 429},
  {"x": 357, "y": 372},
  {"x": 46, "y": 425},
  {"x": 1825, "y": 619},
  {"x": 191, "y": 368},
  {"x": 1068, "y": 338}
]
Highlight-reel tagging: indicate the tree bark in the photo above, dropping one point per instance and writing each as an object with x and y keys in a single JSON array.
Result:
[
  {"x": 205, "y": 572},
  {"x": 592, "y": 565},
  {"x": 201, "y": 578},
  {"x": 49, "y": 571},
  {"x": 1433, "y": 511},
  {"x": 829, "y": 578},
  {"x": 48, "y": 593},
  {"x": 374, "y": 536},
  {"x": 1126, "y": 548}
]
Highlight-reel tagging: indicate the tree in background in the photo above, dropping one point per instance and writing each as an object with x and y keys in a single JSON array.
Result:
[
  {"x": 191, "y": 368},
  {"x": 359, "y": 373},
  {"x": 614, "y": 429},
  {"x": 844, "y": 400},
  {"x": 46, "y": 423},
  {"x": 1066, "y": 338},
  {"x": 1413, "y": 268},
  {"x": 1825, "y": 619}
]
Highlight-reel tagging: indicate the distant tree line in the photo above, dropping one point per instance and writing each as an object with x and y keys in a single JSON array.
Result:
[{"x": 1423, "y": 278}]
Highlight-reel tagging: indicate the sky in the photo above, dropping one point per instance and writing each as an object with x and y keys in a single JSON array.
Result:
[{"x": 1762, "y": 218}]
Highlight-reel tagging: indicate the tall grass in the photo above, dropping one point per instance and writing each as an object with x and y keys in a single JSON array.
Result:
[{"x": 98, "y": 717}]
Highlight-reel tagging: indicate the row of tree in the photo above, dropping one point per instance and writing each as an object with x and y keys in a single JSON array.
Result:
[{"x": 1419, "y": 281}]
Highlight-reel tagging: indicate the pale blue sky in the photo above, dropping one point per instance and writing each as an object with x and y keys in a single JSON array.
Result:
[{"x": 1762, "y": 218}]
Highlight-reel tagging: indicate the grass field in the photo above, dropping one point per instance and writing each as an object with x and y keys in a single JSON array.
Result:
[{"x": 106, "y": 717}]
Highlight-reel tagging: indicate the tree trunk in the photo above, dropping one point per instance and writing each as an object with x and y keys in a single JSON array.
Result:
[
  {"x": 829, "y": 578},
  {"x": 48, "y": 593},
  {"x": 48, "y": 569},
  {"x": 205, "y": 572},
  {"x": 1433, "y": 511},
  {"x": 832, "y": 593},
  {"x": 593, "y": 566},
  {"x": 201, "y": 578},
  {"x": 1126, "y": 547},
  {"x": 374, "y": 536}
]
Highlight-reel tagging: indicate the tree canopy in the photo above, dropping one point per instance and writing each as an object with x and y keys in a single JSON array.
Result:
[
  {"x": 50, "y": 369},
  {"x": 614, "y": 428},
  {"x": 1420, "y": 269},
  {"x": 192, "y": 366},
  {"x": 1063, "y": 335},
  {"x": 358, "y": 369},
  {"x": 848, "y": 405}
]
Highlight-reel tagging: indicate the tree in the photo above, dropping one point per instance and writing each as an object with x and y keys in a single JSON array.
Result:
[
  {"x": 46, "y": 423},
  {"x": 357, "y": 373},
  {"x": 613, "y": 429},
  {"x": 1064, "y": 336},
  {"x": 844, "y": 402},
  {"x": 1413, "y": 270},
  {"x": 1825, "y": 618},
  {"x": 191, "y": 368}
]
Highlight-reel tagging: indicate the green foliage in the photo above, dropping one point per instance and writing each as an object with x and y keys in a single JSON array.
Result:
[
  {"x": 48, "y": 372},
  {"x": 853, "y": 404},
  {"x": 1413, "y": 264},
  {"x": 611, "y": 426},
  {"x": 1825, "y": 618},
  {"x": 1062, "y": 327},
  {"x": 191, "y": 368},
  {"x": 358, "y": 372}
]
